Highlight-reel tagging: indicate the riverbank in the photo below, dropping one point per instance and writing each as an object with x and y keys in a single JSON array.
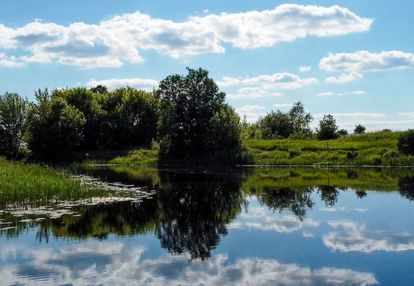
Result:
[
  {"x": 31, "y": 183},
  {"x": 371, "y": 149}
]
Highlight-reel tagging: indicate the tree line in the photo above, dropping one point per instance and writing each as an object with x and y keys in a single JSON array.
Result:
[{"x": 187, "y": 116}]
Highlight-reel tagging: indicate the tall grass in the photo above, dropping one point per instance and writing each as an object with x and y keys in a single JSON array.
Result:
[{"x": 28, "y": 183}]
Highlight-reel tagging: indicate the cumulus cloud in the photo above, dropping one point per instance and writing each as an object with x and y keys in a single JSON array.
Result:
[
  {"x": 353, "y": 237},
  {"x": 121, "y": 39},
  {"x": 251, "y": 112},
  {"x": 140, "y": 83},
  {"x": 103, "y": 263},
  {"x": 364, "y": 61},
  {"x": 305, "y": 68},
  {"x": 344, "y": 78},
  {"x": 331, "y": 93},
  {"x": 282, "y": 105},
  {"x": 284, "y": 81},
  {"x": 9, "y": 62}
]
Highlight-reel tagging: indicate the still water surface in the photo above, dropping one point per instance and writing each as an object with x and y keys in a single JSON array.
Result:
[{"x": 223, "y": 227}]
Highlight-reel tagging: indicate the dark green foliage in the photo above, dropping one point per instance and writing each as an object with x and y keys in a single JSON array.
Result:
[
  {"x": 13, "y": 123},
  {"x": 54, "y": 124},
  {"x": 276, "y": 125},
  {"x": 327, "y": 128},
  {"x": 130, "y": 118},
  {"x": 342, "y": 132},
  {"x": 406, "y": 143},
  {"x": 82, "y": 119},
  {"x": 282, "y": 125},
  {"x": 359, "y": 129},
  {"x": 195, "y": 122}
]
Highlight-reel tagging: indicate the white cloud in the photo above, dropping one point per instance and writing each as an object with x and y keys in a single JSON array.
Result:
[
  {"x": 103, "y": 263},
  {"x": 251, "y": 112},
  {"x": 263, "y": 85},
  {"x": 305, "y": 68},
  {"x": 344, "y": 78},
  {"x": 354, "y": 237},
  {"x": 9, "y": 62},
  {"x": 282, "y": 105},
  {"x": 406, "y": 114},
  {"x": 331, "y": 93},
  {"x": 352, "y": 66},
  {"x": 121, "y": 39},
  {"x": 140, "y": 83}
]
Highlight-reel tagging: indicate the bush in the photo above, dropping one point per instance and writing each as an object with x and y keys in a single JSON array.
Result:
[
  {"x": 359, "y": 129},
  {"x": 406, "y": 143},
  {"x": 342, "y": 132}
]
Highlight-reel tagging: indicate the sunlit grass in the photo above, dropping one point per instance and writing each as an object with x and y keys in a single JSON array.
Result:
[{"x": 34, "y": 183}]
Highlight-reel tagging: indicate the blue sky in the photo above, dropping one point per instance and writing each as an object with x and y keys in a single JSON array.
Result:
[{"x": 354, "y": 59}]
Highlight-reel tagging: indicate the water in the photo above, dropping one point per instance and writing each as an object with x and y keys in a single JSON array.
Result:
[{"x": 222, "y": 227}]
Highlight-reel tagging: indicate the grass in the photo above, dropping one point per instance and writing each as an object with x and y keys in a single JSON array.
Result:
[
  {"x": 30, "y": 183},
  {"x": 371, "y": 149}
]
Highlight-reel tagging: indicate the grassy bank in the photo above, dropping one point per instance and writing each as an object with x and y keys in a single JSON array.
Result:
[
  {"x": 29, "y": 183},
  {"x": 372, "y": 149}
]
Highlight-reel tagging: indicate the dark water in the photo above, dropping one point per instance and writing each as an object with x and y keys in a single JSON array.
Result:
[{"x": 222, "y": 227}]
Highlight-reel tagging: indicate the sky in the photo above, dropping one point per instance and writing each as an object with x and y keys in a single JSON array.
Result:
[{"x": 353, "y": 59}]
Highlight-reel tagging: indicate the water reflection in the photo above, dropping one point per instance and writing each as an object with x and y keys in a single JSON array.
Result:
[{"x": 225, "y": 226}]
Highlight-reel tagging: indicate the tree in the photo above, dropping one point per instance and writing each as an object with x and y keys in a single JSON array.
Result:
[
  {"x": 406, "y": 142},
  {"x": 342, "y": 132},
  {"x": 13, "y": 123},
  {"x": 276, "y": 125},
  {"x": 192, "y": 107},
  {"x": 54, "y": 124},
  {"x": 300, "y": 119},
  {"x": 130, "y": 118},
  {"x": 359, "y": 129},
  {"x": 327, "y": 128}
]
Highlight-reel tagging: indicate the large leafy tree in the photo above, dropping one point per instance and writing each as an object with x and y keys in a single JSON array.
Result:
[
  {"x": 13, "y": 123},
  {"x": 130, "y": 118},
  {"x": 300, "y": 119},
  {"x": 195, "y": 121}
]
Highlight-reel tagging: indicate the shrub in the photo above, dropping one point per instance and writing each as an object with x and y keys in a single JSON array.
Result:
[
  {"x": 406, "y": 143},
  {"x": 359, "y": 129}
]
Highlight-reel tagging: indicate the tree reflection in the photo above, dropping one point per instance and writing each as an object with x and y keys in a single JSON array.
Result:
[
  {"x": 194, "y": 210},
  {"x": 295, "y": 200},
  {"x": 406, "y": 187}
]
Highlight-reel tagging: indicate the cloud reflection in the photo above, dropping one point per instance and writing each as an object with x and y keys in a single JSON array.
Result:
[{"x": 106, "y": 263}]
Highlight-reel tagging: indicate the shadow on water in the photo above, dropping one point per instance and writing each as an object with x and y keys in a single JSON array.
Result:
[{"x": 191, "y": 209}]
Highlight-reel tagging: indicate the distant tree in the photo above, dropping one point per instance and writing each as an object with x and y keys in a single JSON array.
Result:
[
  {"x": 406, "y": 142},
  {"x": 195, "y": 121},
  {"x": 359, "y": 129},
  {"x": 250, "y": 130},
  {"x": 276, "y": 125},
  {"x": 99, "y": 89},
  {"x": 327, "y": 128},
  {"x": 13, "y": 123},
  {"x": 300, "y": 119},
  {"x": 342, "y": 132}
]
